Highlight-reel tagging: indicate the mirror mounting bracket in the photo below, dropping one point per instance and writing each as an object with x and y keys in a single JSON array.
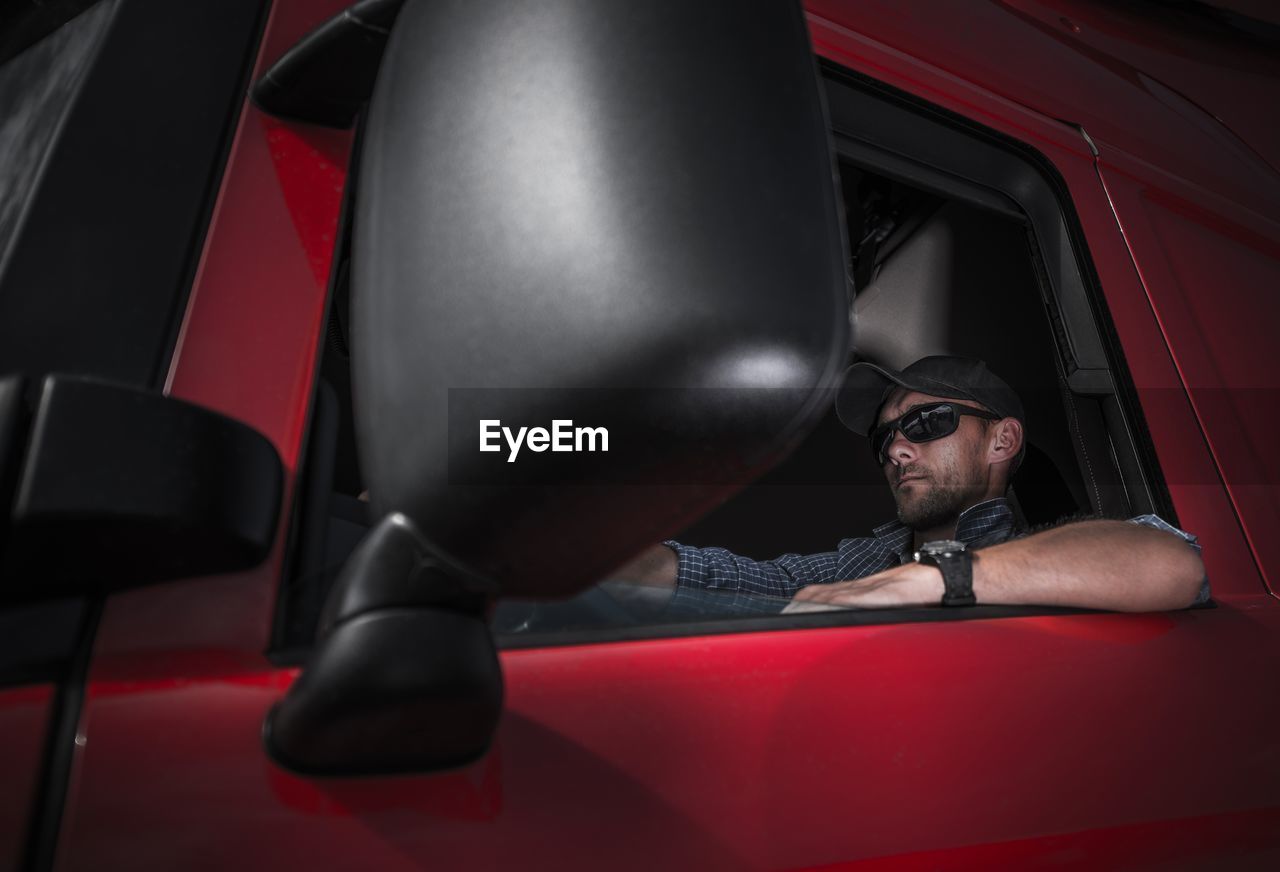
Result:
[{"x": 405, "y": 676}]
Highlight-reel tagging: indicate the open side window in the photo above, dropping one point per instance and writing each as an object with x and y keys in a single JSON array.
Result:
[
  {"x": 1115, "y": 471},
  {"x": 961, "y": 241}
]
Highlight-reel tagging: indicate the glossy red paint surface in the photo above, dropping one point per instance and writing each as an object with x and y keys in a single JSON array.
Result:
[
  {"x": 1202, "y": 260},
  {"x": 24, "y": 721},
  {"x": 1127, "y": 739},
  {"x": 1179, "y": 95},
  {"x": 766, "y": 750}
]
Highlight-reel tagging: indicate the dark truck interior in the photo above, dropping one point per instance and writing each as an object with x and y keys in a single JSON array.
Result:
[
  {"x": 931, "y": 270},
  {"x": 931, "y": 276}
]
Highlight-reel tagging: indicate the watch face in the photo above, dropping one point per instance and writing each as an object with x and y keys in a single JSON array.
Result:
[{"x": 942, "y": 546}]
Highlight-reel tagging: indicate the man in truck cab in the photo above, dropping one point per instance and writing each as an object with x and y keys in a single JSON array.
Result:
[{"x": 948, "y": 435}]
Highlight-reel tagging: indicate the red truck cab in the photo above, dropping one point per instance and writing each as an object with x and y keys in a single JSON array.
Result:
[{"x": 184, "y": 260}]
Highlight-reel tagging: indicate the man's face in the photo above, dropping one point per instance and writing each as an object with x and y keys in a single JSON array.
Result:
[{"x": 932, "y": 482}]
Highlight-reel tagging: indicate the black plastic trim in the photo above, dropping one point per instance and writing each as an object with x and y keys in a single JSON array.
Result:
[
  {"x": 23, "y": 23},
  {"x": 801, "y": 621},
  {"x": 38, "y": 641},
  {"x": 100, "y": 269},
  {"x": 308, "y": 516},
  {"x": 328, "y": 75},
  {"x": 199, "y": 237},
  {"x": 121, "y": 486},
  {"x": 15, "y": 427},
  {"x": 60, "y": 749},
  {"x": 299, "y": 596},
  {"x": 391, "y": 691},
  {"x": 293, "y": 657},
  {"x": 405, "y": 676}
]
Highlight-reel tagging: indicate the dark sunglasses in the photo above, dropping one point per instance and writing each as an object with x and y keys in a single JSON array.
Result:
[{"x": 923, "y": 424}]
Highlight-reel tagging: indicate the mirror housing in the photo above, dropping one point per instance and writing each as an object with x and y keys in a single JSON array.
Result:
[
  {"x": 617, "y": 214},
  {"x": 107, "y": 486},
  {"x": 564, "y": 204},
  {"x": 405, "y": 676}
]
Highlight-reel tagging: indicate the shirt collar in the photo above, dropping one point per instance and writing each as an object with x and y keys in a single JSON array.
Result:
[{"x": 976, "y": 522}]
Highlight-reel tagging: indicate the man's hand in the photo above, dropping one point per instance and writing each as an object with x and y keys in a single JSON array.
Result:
[
  {"x": 902, "y": 586},
  {"x": 1112, "y": 565}
]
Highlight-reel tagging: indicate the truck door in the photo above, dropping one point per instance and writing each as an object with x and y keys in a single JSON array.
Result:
[{"x": 997, "y": 735}]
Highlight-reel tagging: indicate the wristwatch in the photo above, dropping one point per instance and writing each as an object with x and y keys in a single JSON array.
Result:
[{"x": 956, "y": 563}]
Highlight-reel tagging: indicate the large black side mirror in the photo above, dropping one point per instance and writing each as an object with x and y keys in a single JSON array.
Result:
[
  {"x": 562, "y": 201},
  {"x": 617, "y": 214}
]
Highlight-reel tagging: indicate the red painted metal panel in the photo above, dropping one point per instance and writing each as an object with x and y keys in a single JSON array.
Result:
[
  {"x": 1020, "y": 739},
  {"x": 1211, "y": 268},
  {"x": 1030, "y": 740},
  {"x": 1147, "y": 80},
  {"x": 24, "y": 726}
]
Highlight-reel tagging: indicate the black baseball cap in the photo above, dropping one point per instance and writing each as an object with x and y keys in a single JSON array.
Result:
[{"x": 866, "y": 387}]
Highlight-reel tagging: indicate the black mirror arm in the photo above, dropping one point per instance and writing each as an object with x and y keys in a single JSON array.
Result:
[
  {"x": 405, "y": 676},
  {"x": 395, "y": 566},
  {"x": 328, "y": 75}
]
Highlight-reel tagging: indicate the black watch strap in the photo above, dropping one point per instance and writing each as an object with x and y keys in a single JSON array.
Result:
[{"x": 957, "y": 576}]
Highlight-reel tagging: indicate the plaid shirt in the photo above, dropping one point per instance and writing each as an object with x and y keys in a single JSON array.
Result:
[{"x": 717, "y": 581}]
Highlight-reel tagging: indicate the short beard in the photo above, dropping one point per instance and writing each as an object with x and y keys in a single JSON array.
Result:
[{"x": 940, "y": 507}]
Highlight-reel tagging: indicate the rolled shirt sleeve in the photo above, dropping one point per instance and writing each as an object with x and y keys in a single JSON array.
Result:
[{"x": 1158, "y": 523}]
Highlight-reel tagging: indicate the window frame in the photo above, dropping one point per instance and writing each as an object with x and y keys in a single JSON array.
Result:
[
  {"x": 895, "y": 134},
  {"x": 880, "y": 129}
]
